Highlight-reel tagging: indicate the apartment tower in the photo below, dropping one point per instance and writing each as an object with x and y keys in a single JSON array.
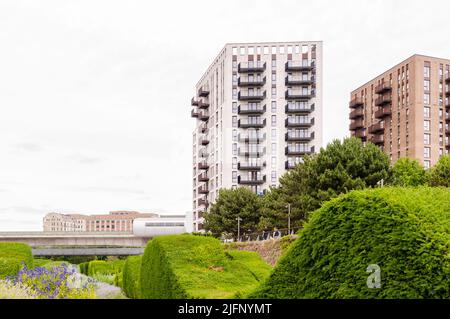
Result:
[
  {"x": 405, "y": 111},
  {"x": 258, "y": 111}
]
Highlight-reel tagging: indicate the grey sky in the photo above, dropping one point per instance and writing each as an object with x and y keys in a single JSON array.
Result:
[{"x": 94, "y": 95}]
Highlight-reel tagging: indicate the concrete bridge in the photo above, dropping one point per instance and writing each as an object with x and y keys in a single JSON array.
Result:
[{"x": 79, "y": 244}]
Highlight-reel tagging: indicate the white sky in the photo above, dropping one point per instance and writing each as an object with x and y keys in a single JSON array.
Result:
[{"x": 95, "y": 95}]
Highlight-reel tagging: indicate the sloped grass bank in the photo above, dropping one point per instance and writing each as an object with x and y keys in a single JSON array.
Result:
[
  {"x": 187, "y": 266},
  {"x": 405, "y": 231},
  {"x": 12, "y": 258}
]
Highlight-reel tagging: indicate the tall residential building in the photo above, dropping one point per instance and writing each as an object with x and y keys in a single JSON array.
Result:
[
  {"x": 405, "y": 111},
  {"x": 258, "y": 111}
]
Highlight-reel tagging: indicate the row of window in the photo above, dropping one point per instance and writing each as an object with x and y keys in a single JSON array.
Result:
[{"x": 274, "y": 49}]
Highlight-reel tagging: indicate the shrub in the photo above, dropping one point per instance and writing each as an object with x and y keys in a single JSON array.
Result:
[
  {"x": 39, "y": 262},
  {"x": 439, "y": 175},
  {"x": 106, "y": 271},
  {"x": 186, "y": 266},
  {"x": 12, "y": 258},
  {"x": 405, "y": 231},
  {"x": 407, "y": 172},
  {"x": 84, "y": 268},
  {"x": 10, "y": 290},
  {"x": 131, "y": 277}
]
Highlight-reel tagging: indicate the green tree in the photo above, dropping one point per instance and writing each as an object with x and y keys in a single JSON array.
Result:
[
  {"x": 230, "y": 204},
  {"x": 408, "y": 172},
  {"x": 439, "y": 175}
]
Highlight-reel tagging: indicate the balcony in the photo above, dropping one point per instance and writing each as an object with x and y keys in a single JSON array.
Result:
[
  {"x": 203, "y": 91},
  {"x": 251, "y": 165},
  {"x": 356, "y": 124},
  {"x": 203, "y": 177},
  {"x": 383, "y": 88},
  {"x": 377, "y": 139},
  {"x": 447, "y": 132},
  {"x": 253, "y": 151},
  {"x": 291, "y": 162},
  {"x": 447, "y": 118},
  {"x": 383, "y": 100},
  {"x": 203, "y": 115},
  {"x": 203, "y": 140},
  {"x": 299, "y": 80},
  {"x": 305, "y": 65},
  {"x": 203, "y": 202},
  {"x": 447, "y": 147},
  {"x": 194, "y": 102},
  {"x": 252, "y": 108},
  {"x": 203, "y": 104},
  {"x": 299, "y": 122},
  {"x": 361, "y": 134},
  {"x": 251, "y": 96},
  {"x": 203, "y": 128},
  {"x": 251, "y": 180},
  {"x": 377, "y": 128},
  {"x": 203, "y": 189},
  {"x": 383, "y": 112},
  {"x": 203, "y": 165},
  {"x": 447, "y": 79},
  {"x": 356, "y": 102},
  {"x": 251, "y": 66},
  {"x": 303, "y": 107},
  {"x": 298, "y": 150},
  {"x": 299, "y": 94},
  {"x": 255, "y": 123},
  {"x": 252, "y": 138},
  {"x": 251, "y": 81},
  {"x": 194, "y": 113},
  {"x": 298, "y": 136},
  {"x": 356, "y": 113}
]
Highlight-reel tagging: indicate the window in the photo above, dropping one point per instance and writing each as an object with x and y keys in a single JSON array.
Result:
[
  {"x": 266, "y": 50},
  {"x": 234, "y": 94},
  {"x": 234, "y": 121},
  {"x": 426, "y": 85},
  {"x": 274, "y": 162},
  {"x": 426, "y": 112},
  {"x": 426, "y": 164},
  {"x": 426, "y": 152},
  {"x": 426, "y": 138},
  {"x": 274, "y": 92},
  {"x": 234, "y": 176},
  {"x": 273, "y": 176},
  {"x": 426, "y": 98},
  {"x": 274, "y": 148},
  {"x": 235, "y": 108},
  {"x": 234, "y": 51},
  {"x": 242, "y": 50},
  {"x": 274, "y": 77},
  {"x": 274, "y": 120},
  {"x": 274, "y": 64},
  {"x": 426, "y": 125},
  {"x": 274, "y": 134},
  {"x": 426, "y": 71},
  {"x": 251, "y": 50},
  {"x": 234, "y": 163},
  {"x": 273, "y": 106},
  {"x": 235, "y": 135}
]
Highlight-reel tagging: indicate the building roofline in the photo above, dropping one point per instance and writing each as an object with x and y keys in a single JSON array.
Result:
[{"x": 395, "y": 66}]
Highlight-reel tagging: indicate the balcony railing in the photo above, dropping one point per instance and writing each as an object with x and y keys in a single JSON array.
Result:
[
  {"x": 383, "y": 88},
  {"x": 194, "y": 113},
  {"x": 251, "y": 180},
  {"x": 251, "y": 165},
  {"x": 203, "y": 165},
  {"x": 251, "y": 81},
  {"x": 251, "y": 66},
  {"x": 356, "y": 113},
  {"x": 255, "y": 151},
  {"x": 194, "y": 102},
  {"x": 203, "y": 91},
  {"x": 447, "y": 80},
  {"x": 304, "y": 65},
  {"x": 292, "y": 162},
  {"x": 298, "y": 136},
  {"x": 299, "y": 122},
  {"x": 298, "y": 150},
  {"x": 203, "y": 202},
  {"x": 356, "y": 102},
  {"x": 447, "y": 118},
  {"x": 203, "y": 177},
  {"x": 299, "y": 80},
  {"x": 203, "y": 104},
  {"x": 203, "y": 115},
  {"x": 377, "y": 139},
  {"x": 356, "y": 124},
  {"x": 203, "y": 128},
  {"x": 383, "y": 112},
  {"x": 257, "y": 137},
  {"x": 299, "y": 94},
  {"x": 299, "y": 108},
  {"x": 203, "y": 189},
  {"x": 383, "y": 100},
  {"x": 203, "y": 140},
  {"x": 361, "y": 134},
  {"x": 252, "y": 109},
  {"x": 256, "y": 123},
  {"x": 251, "y": 96},
  {"x": 377, "y": 128}
]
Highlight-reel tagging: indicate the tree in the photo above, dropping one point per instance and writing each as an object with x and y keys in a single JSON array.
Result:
[
  {"x": 231, "y": 204},
  {"x": 408, "y": 172},
  {"x": 439, "y": 175}
]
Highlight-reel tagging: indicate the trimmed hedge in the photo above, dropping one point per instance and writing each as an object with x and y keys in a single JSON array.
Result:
[
  {"x": 84, "y": 268},
  {"x": 187, "y": 266},
  {"x": 105, "y": 267},
  {"x": 131, "y": 277},
  {"x": 12, "y": 258},
  {"x": 405, "y": 231}
]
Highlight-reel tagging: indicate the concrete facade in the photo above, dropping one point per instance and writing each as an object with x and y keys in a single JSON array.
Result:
[
  {"x": 258, "y": 111},
  {"x": 405, "y": 110}
]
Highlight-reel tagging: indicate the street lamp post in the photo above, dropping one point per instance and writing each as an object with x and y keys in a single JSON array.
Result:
[
  {"x": 288, "y": 206},
  {"x": 239, "y": 227}
]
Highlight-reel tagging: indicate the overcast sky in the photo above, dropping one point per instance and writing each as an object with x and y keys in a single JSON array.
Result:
[{"x": 95, "y": 95}]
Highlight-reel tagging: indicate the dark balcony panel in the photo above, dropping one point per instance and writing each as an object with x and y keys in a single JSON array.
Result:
[
  {"x": 254, "y": 138},
  {"x": 383, "y": 88},
  {"x": 383, "y": 112},
  {"x": 203, "y": 190},
  {"x": 294, "y": 122},
  {"x": 356, "y": 124},
  {"x": 299, "y": 65},
  {"x": 254, "y": 152},
  {"x": 203, "y": 128},
  {"x": 298, "y": 137},
  {"x": 247, "y": 109},
  {"x": 203, "y": 165},
  {"x": 245, "y": 81},
  {"x": 447, "y": 132},
  {"x": 447, "y": 119},
  {"x": 203, "y": 140},
  {"x": 203, "y": 104},
  {"x": 356, "y": 113},
  {"x": 256, "y": 96},
  {"x": 247, "y": 180},
  {"x": 377, "y": 139},
  {"x": 203, "y": 92},
  {"x": 383, "y": 100},
  {"x": 194, "y": 102},
  {"x": 447, "y": 80},
  {"x": 299, "y": 80},
  {"x": 290, "y": 165},
  {"x": 250, "y": 67},
  {"x": 360, "y": 134},
  {"x": 203, "y": 116},
  {"x": 296, "y": 150},
  {"x": 356, "y": 102},
  {"x": 203, "y": 202},
  {"x": 251, "y": 166},
  {"x": 299, "y": 94},
  {"x": 447, "y": 93},
  {"x": 447, "y": 147},
  {"x": 203, "y": 177},
  {"x": 291, "y": 108},
  {"x": 245, "y": 123},
  {"x": 194, "y": 113},
  {"x": 377, "y": 128}
]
